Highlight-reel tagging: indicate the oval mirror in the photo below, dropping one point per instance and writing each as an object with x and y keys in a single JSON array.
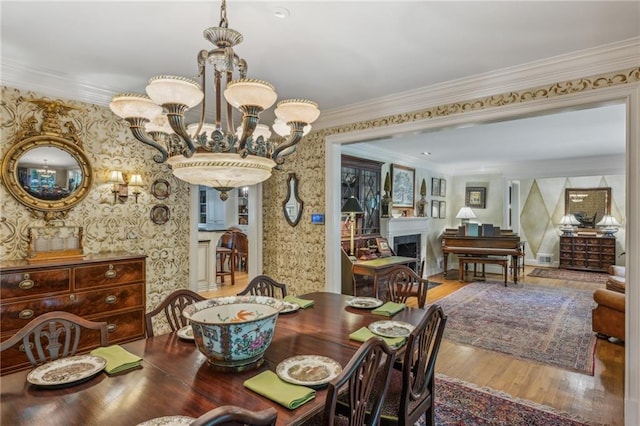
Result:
[
  {"x": 48, "y": 174},
  {"x": 292, "y": 205}
]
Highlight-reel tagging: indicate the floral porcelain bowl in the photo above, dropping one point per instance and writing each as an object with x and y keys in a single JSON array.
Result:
[{"x": 233, "y": 332}]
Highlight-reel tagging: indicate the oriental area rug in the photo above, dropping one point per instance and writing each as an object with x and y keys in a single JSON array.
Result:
[
  {"x": 460, "y": 403},
  {"x": 566, "y": 274},
  {"x": 548, "y": 325}
]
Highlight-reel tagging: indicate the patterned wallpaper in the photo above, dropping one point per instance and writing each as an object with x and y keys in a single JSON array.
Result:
[{"x": 107, "y": 226}]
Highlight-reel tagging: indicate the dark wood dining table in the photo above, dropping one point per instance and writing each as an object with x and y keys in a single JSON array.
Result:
[{"x": 176, "y": 379}]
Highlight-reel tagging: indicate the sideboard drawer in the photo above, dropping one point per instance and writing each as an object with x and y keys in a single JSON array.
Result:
[
  {"x": 34, "y": 283},
  {"x": 109, "y": 273},
  {"x": 18, "y": 314},
  {"x": 123, "y": 326},
  {"x": 92, "y": 302}
]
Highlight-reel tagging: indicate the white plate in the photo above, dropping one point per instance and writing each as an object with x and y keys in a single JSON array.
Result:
[
  {"x": 365, "y": 302},
  {"x": 186, "y": 332},
  {"x": 289, "y": 307},
  {"x": 391, "y": 328},
  {"x": 308, "y": 370},
  {"x": 64, "y": 371},
  {"x": 168, "y": 421}
]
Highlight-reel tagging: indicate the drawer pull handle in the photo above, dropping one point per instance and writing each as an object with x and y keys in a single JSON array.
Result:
[
  {"x": 21, "y": 347},
  {"x": 111, "y": 299},
  {"x": 111, "y": 273},
  {"x": 111, "y": 328},
  {"x": 26, "y": 314},
  {"x": 26, "y": 284}
]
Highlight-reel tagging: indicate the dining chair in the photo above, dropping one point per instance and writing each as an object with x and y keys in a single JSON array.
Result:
[
  {"x": 232, "y": 415},
  {"x": 263, "y": 285},
  {"x": 366, "y": 377},
  {"x": 226, "y": 254},
  {"x": 41, "y": 337},
  {"x": 403, "y": 283},
  {"x": 241, "y": 252},
  {"x": 172, "y": 306},
  {"x": 410, "y": 391}
]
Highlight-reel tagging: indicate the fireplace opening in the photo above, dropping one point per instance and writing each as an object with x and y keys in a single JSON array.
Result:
[{"x": 408, "y": 246}]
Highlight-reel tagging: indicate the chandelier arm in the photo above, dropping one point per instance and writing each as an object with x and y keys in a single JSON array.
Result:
[
  {"x": 229, "y": 106},
  {"x": 136, "y": 124},
  {"x": 201, "y": 71},
  {"x": 218, "y": 84},
  {"x": 175, "y": 115},
  {"x": 283, "y": 149},
  {"x": 250, "y": 116}
]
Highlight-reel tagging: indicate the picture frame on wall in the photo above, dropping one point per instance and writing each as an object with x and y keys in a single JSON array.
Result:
[
  {"x": 476, "y": 197},
  {"x": 403, "y": 180},
  {"x": 443, "y": 187},
  {"x": 442, "y": 210},
  {"x": 435, "y": 209},
  {"x": 435, "y": 187}
]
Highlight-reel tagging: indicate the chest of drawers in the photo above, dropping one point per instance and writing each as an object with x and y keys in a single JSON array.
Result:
[
  {"x": 587, "y": 253},
  {"x": 104, "y": 287}
]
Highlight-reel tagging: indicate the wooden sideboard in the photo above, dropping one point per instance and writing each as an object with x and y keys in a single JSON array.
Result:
[
  {"x": 100, "y": 287},
  {"x": 589, "y": 253}
]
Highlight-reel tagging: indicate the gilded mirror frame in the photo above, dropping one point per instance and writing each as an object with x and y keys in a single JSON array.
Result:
[
  {"x": 50, "y": 136},
  {"x": 293, "y": 218},
  {"x": 588, "y": 205}
]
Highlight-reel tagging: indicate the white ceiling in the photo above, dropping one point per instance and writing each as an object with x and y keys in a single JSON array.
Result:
[{"x": 337, "y": 53}]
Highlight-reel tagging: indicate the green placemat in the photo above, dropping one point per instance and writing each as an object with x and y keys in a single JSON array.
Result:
[
  {"x": 269, "y": 385},
  {"x": 364, "y": 334},
  {"x": 303, "y": 303},
  {"x": 118, "y": 359},
  {"x": 389, "y": 309}
]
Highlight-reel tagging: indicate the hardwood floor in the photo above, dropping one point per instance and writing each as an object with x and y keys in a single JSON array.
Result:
[{"x": 598, "y": 398}]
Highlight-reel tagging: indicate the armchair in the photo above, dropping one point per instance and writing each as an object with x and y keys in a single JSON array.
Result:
[{"x": 608, "y": 316}]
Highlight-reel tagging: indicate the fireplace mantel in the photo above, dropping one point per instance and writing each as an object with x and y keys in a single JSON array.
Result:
[{"x": 400, "y": 226}]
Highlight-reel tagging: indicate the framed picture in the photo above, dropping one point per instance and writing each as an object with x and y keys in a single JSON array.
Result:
[
  {"x": 160, "y": 189},
  {"x": 383, "y": 247},
  {"x": 435, "y": 187},
  {"x": 442, "y": 211},
  {"x": 443, "y": 187},
  {"x": 435, "y": 209},
  {"x": 476, "y": 196},
  {"x": 402, "y": 186}
]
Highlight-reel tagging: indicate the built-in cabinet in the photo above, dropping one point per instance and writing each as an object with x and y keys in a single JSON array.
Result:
[
  {"x": 243, "y": 206},
  {"x": 590, "y": 253},
  {"x": 100, "y": 287},
  {"x": 361, "y": 178},
  {"x": 212, "y": 210}
]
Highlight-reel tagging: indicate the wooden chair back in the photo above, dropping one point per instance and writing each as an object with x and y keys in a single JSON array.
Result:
[
  {"x": 53, "y": 335},
  {"x": 172, "y": 306},
  {"x": 403, "y": 283},
  {"x": 367, "y": 376},
  {"x": 418, "y": 368},
  {"x": 232, "y": 415},
  {"x": 263, "y": 285},
  {"x": 241, "y": 251}
]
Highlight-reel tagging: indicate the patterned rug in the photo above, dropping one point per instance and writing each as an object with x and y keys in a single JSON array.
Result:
[
  {"x": 542, "y": 324},
  {"x": 460, "y": 403},
  {"x": 566, "y": 274}
]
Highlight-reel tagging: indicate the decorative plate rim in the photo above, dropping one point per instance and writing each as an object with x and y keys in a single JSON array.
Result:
[
  {"x": 353, "y": 302},
  {"x": 156, "y": 193},
  {"x": 34, "y": 376},
  {"x": 165, "y": 218},
  {"x": 373, "y": 327},
  {"x": 167, "y": 420},
  {"x": 289, "y": 307},
  {"x": 334, "y": 366},
  {"x": 183, "y": 333}
]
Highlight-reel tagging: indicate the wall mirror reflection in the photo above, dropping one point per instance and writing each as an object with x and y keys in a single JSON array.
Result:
[
  {"x": 292, "y": 205},
  {"x": 588, "y": 205}
]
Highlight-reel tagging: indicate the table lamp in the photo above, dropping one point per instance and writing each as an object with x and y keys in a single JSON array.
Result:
[
  {"x": 464, "y": 214},
  {"x": 353, "y": 207},
  {"x": 609, "y": 225},
  {"x": 568, "y": 223}
]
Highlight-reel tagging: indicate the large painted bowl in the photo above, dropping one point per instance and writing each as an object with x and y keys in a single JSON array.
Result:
[{"x": 233, "y": 332}]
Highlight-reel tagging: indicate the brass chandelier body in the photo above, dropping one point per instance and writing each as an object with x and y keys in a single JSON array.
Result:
[{"x": 210, "y": 154}]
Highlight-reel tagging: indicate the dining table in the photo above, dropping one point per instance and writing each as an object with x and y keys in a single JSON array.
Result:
[{"x": 175, "y": 378}]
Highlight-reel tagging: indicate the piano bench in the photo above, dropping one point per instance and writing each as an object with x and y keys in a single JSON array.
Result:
[{"x": 502, "y": 261}]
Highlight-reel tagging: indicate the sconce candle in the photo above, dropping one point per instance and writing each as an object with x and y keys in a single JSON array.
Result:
[
  {"x": 136, "y": 182},
  {"x": 116, "y": 179}
]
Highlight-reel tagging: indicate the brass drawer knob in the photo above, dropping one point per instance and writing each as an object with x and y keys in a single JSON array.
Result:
[
  {"x": 26, "y": 314},
  {"x": 111, "y": 328},
  {"x": 111, "y": 273},
  {"x": 111, "y": 299},
  {"x": 26, "y": 282}
]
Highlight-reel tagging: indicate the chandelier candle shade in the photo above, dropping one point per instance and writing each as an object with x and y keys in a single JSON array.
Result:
[{"x": 212, "y": 154}]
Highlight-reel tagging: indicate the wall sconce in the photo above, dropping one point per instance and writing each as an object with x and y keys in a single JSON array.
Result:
[{"x": 121, "y": 189}]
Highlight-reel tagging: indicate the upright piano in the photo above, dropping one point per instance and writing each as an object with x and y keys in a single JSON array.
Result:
[{"x": 500, "y": 245}]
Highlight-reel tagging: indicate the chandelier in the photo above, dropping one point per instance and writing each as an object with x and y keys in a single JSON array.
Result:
[
  {"x": 213, "y": 154},
  {"x": 45, "y": 173}
]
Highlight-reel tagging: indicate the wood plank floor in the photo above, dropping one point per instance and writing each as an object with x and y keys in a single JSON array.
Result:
[{"x": 598, "y": 398}]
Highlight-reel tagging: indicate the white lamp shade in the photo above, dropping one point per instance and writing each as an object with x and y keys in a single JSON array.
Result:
[
  {"x": 608, "y": 220},
  {"x": 300, "y": 110},
  {"x": 465, "y": 213},
  {"x": 249, "y": 92},
  {"x": 261, "y": 130},
  {"x": 283, "y": 129},
  {"x": 569, "y": 219},
  {"x": 160, "y": 123},
  {"x": 168, "y": 89},
  {"x": 130, "y": 105},
  {"x": 136, "y": 180},
  {"x": 116, "y": 177}
]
